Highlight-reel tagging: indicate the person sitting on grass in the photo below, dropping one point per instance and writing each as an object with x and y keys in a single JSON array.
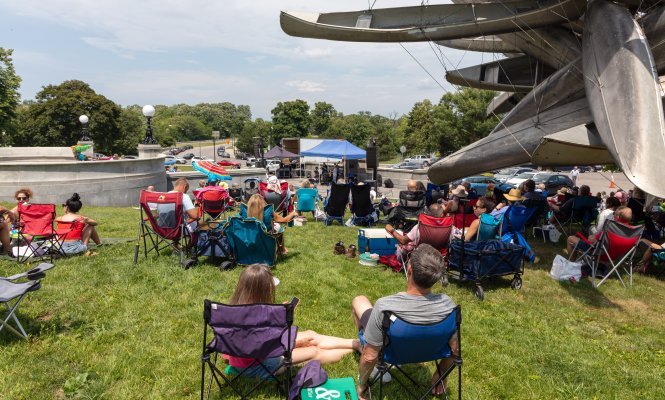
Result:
[
  {"x": 483, "y": 206},
  {"x": 622, "y": 214},
  {"x": 76, "y": 240},
  {"x": 257, "y": 285},
  {"x": 255, "y": 207},
  {"x": 417, "y": 305}
]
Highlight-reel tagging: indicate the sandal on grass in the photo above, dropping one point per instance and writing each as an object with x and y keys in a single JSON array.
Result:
[{"x": 339, "y": 248}]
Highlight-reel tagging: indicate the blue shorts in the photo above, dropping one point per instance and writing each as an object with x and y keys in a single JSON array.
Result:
[{"x": 75, "y": 247}]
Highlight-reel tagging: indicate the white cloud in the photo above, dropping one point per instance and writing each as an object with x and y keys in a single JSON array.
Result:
[{"x": 306, "y": 86}]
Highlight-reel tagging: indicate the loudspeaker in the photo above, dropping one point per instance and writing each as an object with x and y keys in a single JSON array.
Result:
[{"x": 372, "y": 157}]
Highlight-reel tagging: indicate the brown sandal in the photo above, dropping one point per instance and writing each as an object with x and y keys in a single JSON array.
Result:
[
  {"x": 351, "y": 252},
  {"x": 339, "y": 248}
]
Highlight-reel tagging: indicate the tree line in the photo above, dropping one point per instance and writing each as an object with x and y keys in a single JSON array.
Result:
[{"x": 51, "y": 119}]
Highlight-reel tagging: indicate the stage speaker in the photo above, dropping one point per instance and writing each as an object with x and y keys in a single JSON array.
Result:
[{"x": 372, "y": 157}]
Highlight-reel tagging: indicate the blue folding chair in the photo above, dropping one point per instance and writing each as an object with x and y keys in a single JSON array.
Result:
[
  {"x": 407, "y": 343},
  {"x": 250, "y": 242},
  {"x": 307, "y": 199},
  {"x": 268, "y": 212},
  {"x": 435, "y": 192},
  {"x": 489, "y": 228},
  {"x": 513, "y": 226}
]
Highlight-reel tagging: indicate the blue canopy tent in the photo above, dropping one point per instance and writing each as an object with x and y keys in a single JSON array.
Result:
[{"x": 338, "y": 149}]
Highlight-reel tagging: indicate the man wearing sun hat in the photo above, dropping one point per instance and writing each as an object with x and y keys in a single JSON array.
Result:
[{"x": 514, "y": 195}]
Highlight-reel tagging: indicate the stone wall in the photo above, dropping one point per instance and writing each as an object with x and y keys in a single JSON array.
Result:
[
  {"x": 40, "y": 154},
  {"x": 100, "y": 183},
  {"x": 401, "y": 176},
  {"x": 237, "y": 176}
]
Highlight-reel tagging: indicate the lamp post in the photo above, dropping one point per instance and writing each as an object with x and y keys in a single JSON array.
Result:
[
  {"x": 215, "y": 136},
  {"x": 83, "y": 119},
  {"x": 149, "y": 112}
]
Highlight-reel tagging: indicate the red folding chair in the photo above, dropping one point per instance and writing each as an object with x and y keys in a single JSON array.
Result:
[
  {"x": 162, "y": 225},
  {"x": 435, "y": 231},
  {"x": 616, "y": 246},
  {"x": 36, "y": 236},
  {"x": 213, "y": 202}
]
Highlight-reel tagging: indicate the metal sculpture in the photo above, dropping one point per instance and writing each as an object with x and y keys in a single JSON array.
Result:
[{"x": 581, "y": 81}]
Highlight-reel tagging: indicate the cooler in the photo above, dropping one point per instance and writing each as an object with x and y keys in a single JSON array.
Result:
[{"x": 376, "y": 241}]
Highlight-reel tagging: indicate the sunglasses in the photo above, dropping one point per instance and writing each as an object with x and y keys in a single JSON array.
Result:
[{"x": 19, "y": 198}]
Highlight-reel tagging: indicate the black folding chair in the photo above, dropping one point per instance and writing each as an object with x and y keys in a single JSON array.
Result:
[{"x": 361, "y": 205}]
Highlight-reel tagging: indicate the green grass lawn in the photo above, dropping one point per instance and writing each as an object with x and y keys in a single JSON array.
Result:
[{"x": 101, "y": 327}]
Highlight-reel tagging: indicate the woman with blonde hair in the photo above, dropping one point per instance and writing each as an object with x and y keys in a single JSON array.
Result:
[
  {"x": 257, "y": 285},
  {"x": 255, "y": 207}
]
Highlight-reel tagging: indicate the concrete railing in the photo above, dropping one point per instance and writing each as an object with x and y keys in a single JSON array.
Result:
[
  {"x": 399, "y": 177},
  {"x": 237, "y": 176}
]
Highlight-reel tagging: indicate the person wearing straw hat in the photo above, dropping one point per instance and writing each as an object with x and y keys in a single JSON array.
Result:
[
  {"x": 514, "y": 195},
  {"x": 458, "y": 193}
]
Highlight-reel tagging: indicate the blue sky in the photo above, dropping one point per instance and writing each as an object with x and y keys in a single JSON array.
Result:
[{"x": 169, "y": 52}]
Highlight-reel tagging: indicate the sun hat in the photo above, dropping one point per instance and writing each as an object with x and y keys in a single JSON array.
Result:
[
  {"x": 460, "y": 191},
  {"x": 621, "y": 196},
  {"x": 514, "y": 195},
  {"x": 273, "y": 179}
]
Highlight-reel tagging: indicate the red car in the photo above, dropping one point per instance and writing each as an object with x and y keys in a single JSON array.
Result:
[{"x": 224, "y": 163}]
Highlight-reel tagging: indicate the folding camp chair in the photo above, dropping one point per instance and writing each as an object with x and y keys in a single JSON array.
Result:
[
  {"x": 584, "y": 211},
  {"x": 407, "y": 343},
  {"x": 250, "y": 241},
  {"x": 257, "y": 333},
  {"x": 615, "y": 246},
  {"x": 251, "y": 187},
  {"x": 335, "y": 204},
  {"x": 405, "y": 215},
  {"x": 361, "y": 205},
  {"x": 435, "y": 192},
  {"x": 307, "y": 200},
  {"x": 12, "y": 293},
  {"x": 489, "y": 227},
  {"x": 433, "y": 231},
  {"x": 280, "y": 201},
  {"x": 213, "y": 202},
  {"x": 162, "y": 225},
  {"x": 539, "y": 214},
  {"x": 36, "y": 236},
  {"x": 513, "y": 227}
]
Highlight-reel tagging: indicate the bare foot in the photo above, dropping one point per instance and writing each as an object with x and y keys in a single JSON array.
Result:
[
  {"x": 285, "y": 251},
  {"x": 440, "y": 388}
]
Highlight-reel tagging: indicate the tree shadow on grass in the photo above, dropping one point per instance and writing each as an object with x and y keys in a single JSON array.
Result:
[
  {"x": 585, "y": 293},
  {"x": 419, "y": 373}
]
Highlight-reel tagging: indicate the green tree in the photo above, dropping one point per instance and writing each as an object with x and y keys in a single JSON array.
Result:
[
  {"x": 9, "y": 85},
  {"x": 420, "y": 134},
  {"x": 290, "y": 119},
  {"x": 132, "y": 130},
  {"x": 181, "y": 128},
  {"x": 54, "y": 119},
  {"x": 465, "y": 113},
  {"x": 252, "y": 129},
  {"x": 322, "y": 116}
]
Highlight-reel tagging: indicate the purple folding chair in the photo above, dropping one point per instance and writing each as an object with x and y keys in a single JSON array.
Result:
[{"x": 257, "y": 333}]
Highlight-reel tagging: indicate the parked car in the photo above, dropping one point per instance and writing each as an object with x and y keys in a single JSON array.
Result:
[
  {"x": 518, "y": 179},
  {"x": 188, "y": 156},
  {"x": 224, "y": 155},
  {"x": 407, "y": 165},
  {"x": 583, "y": 168},
  {"x": 203, "y": 158},
  {"x": 100, "y": 156},
  {"x": 251, "y": 162},
  {"x": 507, "y": 173},
  {"x": 420, "y": 159},
  {"x": 130, "y": 157},
  {"x": 232, "y": 164},
  {"x": 552, "y": 181},
  {"x": 220, "y": 151},
  {"x": 272, "y": 166},
  {"x": 241, "y": 155},
  {"x": 479, "y": 183}
]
